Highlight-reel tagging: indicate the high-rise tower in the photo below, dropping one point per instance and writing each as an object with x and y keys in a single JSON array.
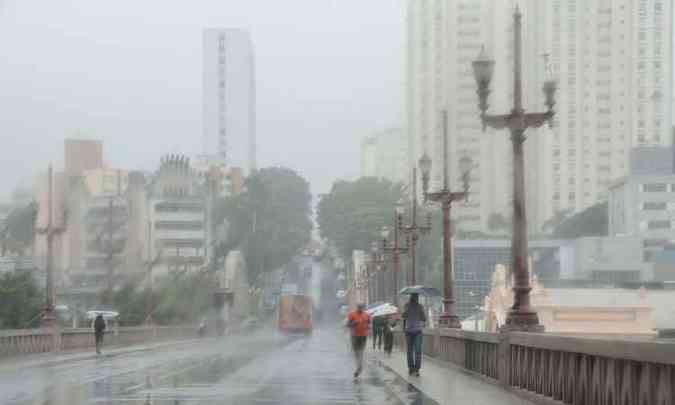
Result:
[{"x": 229, "y": 97}]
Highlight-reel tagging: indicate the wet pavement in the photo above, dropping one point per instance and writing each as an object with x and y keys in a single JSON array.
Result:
[{"x": 261, "y": 368}]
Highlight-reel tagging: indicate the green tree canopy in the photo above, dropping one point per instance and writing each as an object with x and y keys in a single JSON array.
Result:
[
  {"x": 353, "y": 213},
  {"x": 21, "y": 301},
  {"x": 270, "y": 221},
  {"x": 592, "y": 221},
  {"x": 16, "y": 233}
]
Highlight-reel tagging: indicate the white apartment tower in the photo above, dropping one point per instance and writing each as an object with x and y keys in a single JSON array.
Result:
[
  {"x": 229, "y": 133},
  {"x": 613, "y": 63}
]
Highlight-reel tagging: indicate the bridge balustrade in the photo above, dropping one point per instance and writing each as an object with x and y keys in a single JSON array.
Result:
[{"x": 567, "y": 369}]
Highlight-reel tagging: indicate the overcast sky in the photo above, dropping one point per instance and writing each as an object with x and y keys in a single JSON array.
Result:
[{"x": 129, "y": 72}]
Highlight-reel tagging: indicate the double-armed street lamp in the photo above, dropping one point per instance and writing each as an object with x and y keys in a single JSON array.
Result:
[
  {"x": 414, "y": 230},
  {"x": 521, "y": 317},
  {"x": 446, "y": 197},
  {"x": 395, "y": 249}
]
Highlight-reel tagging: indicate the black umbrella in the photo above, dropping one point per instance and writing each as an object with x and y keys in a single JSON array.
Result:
[{"x": 421, "y": 290}]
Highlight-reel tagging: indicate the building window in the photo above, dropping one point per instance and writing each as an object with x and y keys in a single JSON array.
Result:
[
  {"x": 654, "y": 187},
  {"x": 653, "y": 206},
  {"x": 659, "y": 224}
]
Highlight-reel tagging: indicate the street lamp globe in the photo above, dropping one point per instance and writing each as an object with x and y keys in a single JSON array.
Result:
[
  {"x": 425, "y": 165},
  {"x": 384, "y": 232},
  {"x": 400, "y": 208},
  {"x": 483, "y": 68},
  {"x": 549, "y": 89},
  {"x": 465, "y": 164}
]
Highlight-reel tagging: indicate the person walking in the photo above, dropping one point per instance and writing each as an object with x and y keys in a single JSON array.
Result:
[
  {"x": 388, "y": 335},
  {"x": 99, "y": 331},
  {"x": 358, "y": 322},
  {"x": 378, "y": 329},
  {"x": 414, "y": 318}
]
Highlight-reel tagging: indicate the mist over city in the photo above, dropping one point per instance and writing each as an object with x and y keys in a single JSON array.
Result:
[{"x": 337, "y": 202}]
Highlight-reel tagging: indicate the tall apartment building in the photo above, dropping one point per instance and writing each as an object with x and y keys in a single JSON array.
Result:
[
  {"x": 612, "y": 60},
  {"x": 228, "y": 81},
  {"x": 384, "y": 155}
]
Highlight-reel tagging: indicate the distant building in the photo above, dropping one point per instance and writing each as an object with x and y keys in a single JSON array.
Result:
[
  {"x": 608, "y": 260},
  {"x": 652, "y": 160},
  {"x": 81, "y": 155},
  {"x": 384, "y": 155},
  {"x": 228, "y": 90},
  {"x": 644, "y": 206},
  {"x": 176, "y": 216}
]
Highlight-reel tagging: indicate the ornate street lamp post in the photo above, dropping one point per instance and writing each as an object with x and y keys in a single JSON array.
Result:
[
  {"x": 50, "y": 231},
  {"x": 521, "y": 317},
  {"x": 374, "y": 267},
  {"x": 446, "y": 197},
  {"x": 413, "y": 231},
  {"x": 395, "y": 249}
]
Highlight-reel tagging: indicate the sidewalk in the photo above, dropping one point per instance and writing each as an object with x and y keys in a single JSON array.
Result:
[{"x": 448, "y": 384}]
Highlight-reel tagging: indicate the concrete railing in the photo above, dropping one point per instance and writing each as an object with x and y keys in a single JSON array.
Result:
[
  {"x": 17, "y": 342},
  {"x": 570, "y": 370}
]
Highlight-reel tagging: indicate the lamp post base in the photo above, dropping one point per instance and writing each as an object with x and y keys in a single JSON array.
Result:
[
  {"x": 522, "y": 321},
  {"x": 48, "y": 320},
  {"x": 449, "y": 321}
]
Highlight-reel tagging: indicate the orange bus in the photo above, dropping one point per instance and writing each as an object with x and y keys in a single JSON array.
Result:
[{"x": 295, "y": 313}]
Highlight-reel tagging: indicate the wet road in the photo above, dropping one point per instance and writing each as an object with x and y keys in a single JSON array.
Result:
[{"x": 257, "y": 369}]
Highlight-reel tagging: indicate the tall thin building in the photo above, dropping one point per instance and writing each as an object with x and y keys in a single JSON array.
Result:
[
  {"x": 229, "y": 136},
  {"x": 613, "y": 63}
]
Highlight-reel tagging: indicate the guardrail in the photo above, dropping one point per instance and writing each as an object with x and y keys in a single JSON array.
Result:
[
  {"x": 568, "y": 369},
  {"x": 24, "y": 341}
]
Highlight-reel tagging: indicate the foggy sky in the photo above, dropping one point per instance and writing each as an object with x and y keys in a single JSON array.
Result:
[{"x": 129, "y": 72}]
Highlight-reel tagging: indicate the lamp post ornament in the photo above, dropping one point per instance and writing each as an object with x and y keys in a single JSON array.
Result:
[
  {"x": 413, "y": 230},
  {"x": 522, "y": 316},
  {"x": 446, "y": 197}
]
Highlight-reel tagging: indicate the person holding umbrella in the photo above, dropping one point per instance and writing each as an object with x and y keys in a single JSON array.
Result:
[
  {"x": 414, "y": 318},
  {"x": 99, "y": 330}
]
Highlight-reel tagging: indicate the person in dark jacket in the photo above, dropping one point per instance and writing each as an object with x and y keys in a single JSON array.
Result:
[
  {"x": 378, "y": 328},
  {"x": 99, "y": 330},
  {"x": 414, "y": 318},
  {"x": 388, "y": 334}
]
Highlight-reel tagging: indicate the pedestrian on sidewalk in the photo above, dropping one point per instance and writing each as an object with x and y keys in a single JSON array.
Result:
[
  {"x": 388, "y": 334},
  {"x": 99, "y": 331},
  {"x": 414, "y": 318},
  {"x": 358, "y": 322},
  {"x": 378, "y": 329}
]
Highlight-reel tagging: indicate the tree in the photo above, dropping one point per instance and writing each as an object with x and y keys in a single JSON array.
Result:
[
  {"x": 558, "y": 218},
  {"x": 21, "y": 301},
  {"x": 497, "y": 222},
  {"x": 16, "y": 233},
  {"x": 353, "y": 213},
  {"x": 592, "y": 221},
  {"x": 270, "y": 221}
]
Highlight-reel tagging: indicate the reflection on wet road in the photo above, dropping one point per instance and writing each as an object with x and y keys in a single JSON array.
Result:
[{"x": 257, "y": 369}]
